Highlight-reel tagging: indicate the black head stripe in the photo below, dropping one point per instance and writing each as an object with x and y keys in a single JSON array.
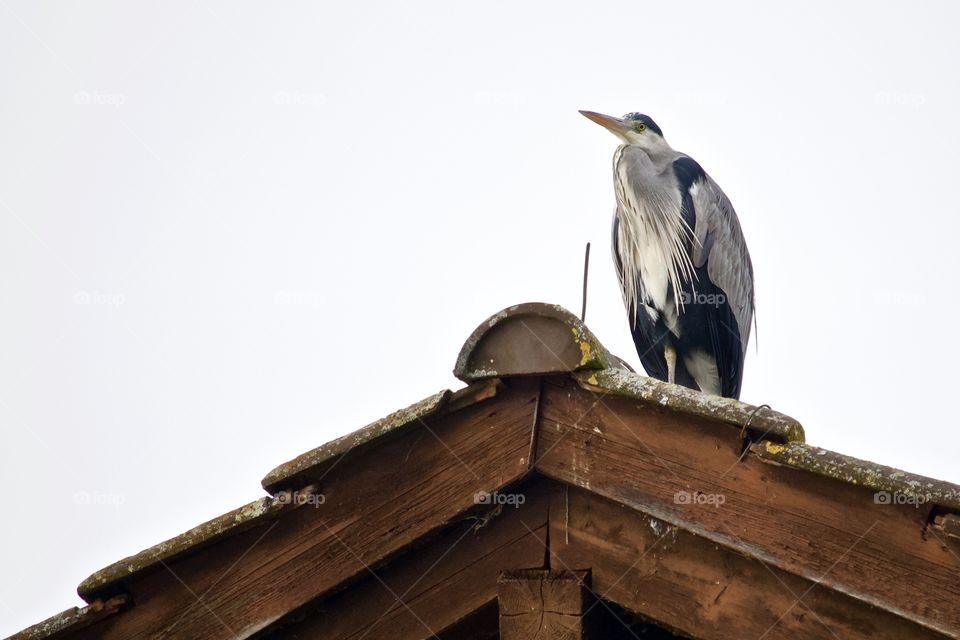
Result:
[{"x": 645, "y": 119}]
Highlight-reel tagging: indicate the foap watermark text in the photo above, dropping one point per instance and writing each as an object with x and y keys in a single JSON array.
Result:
[
  {"x": 699, "y": 498},
  {"x": 897, "y": 498},
  {"x": 496, "y": 498},
  {"x": 98, "y": 298},
  {"x": 96, "y": 98},
  {"x": 304, "y": 497},
  {"x": 711, "y": 299},
  {"x": 98, "y": 499}
]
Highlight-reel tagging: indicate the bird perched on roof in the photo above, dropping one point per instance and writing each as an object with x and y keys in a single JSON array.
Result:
[{"x": 684, "y": 268}]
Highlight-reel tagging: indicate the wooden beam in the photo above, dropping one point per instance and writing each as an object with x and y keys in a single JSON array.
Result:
[
  {"x": 688, "y": 583},
  {"x": 540, "y": 604},
  {"x": 435, "y": 585},
  {"x": 375, "y": 503},
  {"x": 685, "y": 472}
]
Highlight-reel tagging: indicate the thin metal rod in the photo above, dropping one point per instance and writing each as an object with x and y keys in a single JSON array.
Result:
[{"x": 586, "y": 271}]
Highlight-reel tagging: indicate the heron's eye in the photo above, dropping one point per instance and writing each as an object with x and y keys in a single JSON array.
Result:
[{"x": 641, "y": 127}]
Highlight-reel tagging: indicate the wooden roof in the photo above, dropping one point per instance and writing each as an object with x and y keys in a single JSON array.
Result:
[{"x": 635, "y": 501}]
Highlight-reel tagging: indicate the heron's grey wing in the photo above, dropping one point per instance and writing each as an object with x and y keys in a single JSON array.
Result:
[
  {"x": 721, "y": 322},
  {"x": 720, "y": 245}
]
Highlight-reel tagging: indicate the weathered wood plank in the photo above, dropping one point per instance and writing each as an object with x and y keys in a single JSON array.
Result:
[
  {"x": 541, "y": 604},
  {"x": 373, "y": 505},
  {"x": 64, "y": 624},
  {"x": 431, "y": 587},
  {"x": 314, "y": 464},
  {"x": 691, "y": 584},
  {"x": 679, "y": 468}
]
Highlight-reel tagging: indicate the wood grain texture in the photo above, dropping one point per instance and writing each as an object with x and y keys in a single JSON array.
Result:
[
  {"x": 542, "y": 604},
  {"x": 689, "y": 583},
  {"x": 434, "y": 585},
  {"x": 375, "y": 504},
  {"x": 678, "y": 468}
]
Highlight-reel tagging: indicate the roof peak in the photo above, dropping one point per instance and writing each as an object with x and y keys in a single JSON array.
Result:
[{"x": 532, "y": 338}]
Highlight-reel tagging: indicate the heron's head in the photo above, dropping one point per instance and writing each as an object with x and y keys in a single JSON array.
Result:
[{"x": 634, "y": 128}]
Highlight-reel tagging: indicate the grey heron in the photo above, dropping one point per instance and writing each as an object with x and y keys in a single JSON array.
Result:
[{"x": 684, "y": 268}]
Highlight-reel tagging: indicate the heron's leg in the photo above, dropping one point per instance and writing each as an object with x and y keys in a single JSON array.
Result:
[{"x": 670, "y": 355}]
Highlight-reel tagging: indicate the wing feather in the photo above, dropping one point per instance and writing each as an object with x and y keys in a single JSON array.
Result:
[
  {"x": 721, "y": 246},
  {"x": 646, "y": 336}
]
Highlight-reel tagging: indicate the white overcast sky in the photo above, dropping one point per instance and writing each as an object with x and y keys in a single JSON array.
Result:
[{"x": 230, "y": 232}]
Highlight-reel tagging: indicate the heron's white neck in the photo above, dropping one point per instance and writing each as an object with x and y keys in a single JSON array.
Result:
[{"x": 653, "y": 237}]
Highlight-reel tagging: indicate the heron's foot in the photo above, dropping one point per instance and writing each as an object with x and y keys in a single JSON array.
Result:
[{"x": 670, "y": 355}]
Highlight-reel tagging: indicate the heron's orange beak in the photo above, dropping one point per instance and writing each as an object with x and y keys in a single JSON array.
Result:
[{"x": 614, "y": 125}]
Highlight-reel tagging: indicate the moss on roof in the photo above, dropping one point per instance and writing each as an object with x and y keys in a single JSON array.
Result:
[
  {"x": 73, "y": 618},
  {"x": 894, "y": 482},
  {"x": 230, "y": 523},
  {"x": 282, "y": 474},
  {"x": 763, "y": 421}
]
